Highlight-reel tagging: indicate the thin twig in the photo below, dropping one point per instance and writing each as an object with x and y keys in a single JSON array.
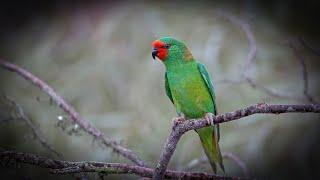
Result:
[
  {"x": 75, "y": 117},
  {"x": 179, "y": 129},
  {"x": 308, "y": 46},
  {"x": 251, "y": 40},
  {"x": 196, "y": 162},
  {"x": 250, "y": 58},
  {"x": 255, "y": 85},
  {"x": 238, "y": 161},
  {"x": 229, "y": 81},
  {"x": 35, "y": 130},
  {"x": 68, "y": 167},
  {"x": 304, "y": 72}
]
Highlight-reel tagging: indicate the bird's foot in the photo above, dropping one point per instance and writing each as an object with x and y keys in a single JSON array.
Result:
[
  {"x": 209, "y": 118},
  {"x": 178, "y": 120}
]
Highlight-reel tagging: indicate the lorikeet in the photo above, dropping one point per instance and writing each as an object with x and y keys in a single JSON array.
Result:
[{"x": 189, "y": 87}]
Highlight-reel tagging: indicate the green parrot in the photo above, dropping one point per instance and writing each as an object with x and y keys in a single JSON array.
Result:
[{"x": 189, "y": 87}]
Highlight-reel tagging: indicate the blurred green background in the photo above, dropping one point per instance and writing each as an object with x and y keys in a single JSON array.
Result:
[{"x": 98, "y": 57}]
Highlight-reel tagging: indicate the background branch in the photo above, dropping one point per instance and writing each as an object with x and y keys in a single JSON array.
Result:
[
  {"x": 38, "y": 134},
  {"x": 67, "y": 167},
  {"x": 255, "y": 85},
  {"x": 308, "y": 46},
  {"x": 304, "y": 72},
  {"x": 245, "y": 27},
  {"x": 238, "y": 161},
  {"x": 196, "y": 162},
  {"x": 251, "y": 40},
  {"x": 179, "y": 129},
  {"x": 75, "y": 117}
]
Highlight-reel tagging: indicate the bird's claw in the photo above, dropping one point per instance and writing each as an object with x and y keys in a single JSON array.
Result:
[
  {"x": 178, "y": 120},
  {"x": 209, "y": 118}
]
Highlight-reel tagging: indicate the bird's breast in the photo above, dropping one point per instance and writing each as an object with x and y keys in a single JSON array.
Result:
[{"x": 190, "y": 93}]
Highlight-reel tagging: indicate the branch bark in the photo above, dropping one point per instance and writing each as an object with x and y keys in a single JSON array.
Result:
[
  {"x": 179, "y": 129},
  {"x": 68, "y": 167},
  {"x": 75, "y": 117}
]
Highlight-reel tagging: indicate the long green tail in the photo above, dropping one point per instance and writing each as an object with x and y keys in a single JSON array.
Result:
[{"x": 209, "y": 140}]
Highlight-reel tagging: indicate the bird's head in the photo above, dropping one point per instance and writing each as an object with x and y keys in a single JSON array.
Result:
[{"x": 170, "y": 49}]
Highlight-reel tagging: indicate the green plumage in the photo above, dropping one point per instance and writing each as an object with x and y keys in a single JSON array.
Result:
[{"x": 189, "y": 87}]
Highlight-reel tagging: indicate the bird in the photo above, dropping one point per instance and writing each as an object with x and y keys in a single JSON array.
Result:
[{"x": 189, "y": 87}]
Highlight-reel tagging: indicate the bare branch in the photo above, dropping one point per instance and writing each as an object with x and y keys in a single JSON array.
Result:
[
  {"x": 252, "y": 54},
  {"x": 35, "y": 130},
  {"x": 304, "y": 72},
  {"x": 255, "y": 85},
  {"x": 308, "y": 46},
  {"x": 249, "y": 34},
  {"x": 68, "y": 167},
  {"x": 75, "y": 117},
  {"x": 196, "y": 162},
  {"x": 229, "y": 81},
  {"x": 238, "y": 161},
  {"x": 249, "y": 60},
  {"x": 179, "y": 129}
]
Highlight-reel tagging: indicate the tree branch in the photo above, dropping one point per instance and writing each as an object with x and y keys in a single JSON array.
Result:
[
  {"x": 67, "y": 167},
  {"x": 304, "y": 72},
  {"x": 308, "y": 46},
  {"x": 250, "y": 58},
  {"x": 179, "y": 129},
  {"x": 75, "y": 117},
  {"x": 251, "y": 40},
  {"x": 255, "y": 85},
  {"x": 238, "y": 161},
  {"x": 196, "y": 162},
  {"x": 35, "y": 130}
]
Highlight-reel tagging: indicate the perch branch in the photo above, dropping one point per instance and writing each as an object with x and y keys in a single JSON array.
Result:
[
  {"x": 68, "y": 167},
  {"x": 179, "y": 129},
  {"x": 75, "y": 117}
]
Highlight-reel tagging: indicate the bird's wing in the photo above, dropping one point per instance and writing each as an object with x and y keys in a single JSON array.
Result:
[
  {"x": 206, "y": 78},
  {"x": 168, "y": 91}
]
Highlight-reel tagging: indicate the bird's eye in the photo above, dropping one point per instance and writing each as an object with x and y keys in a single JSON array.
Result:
[{"x": 167, "y": 46}]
